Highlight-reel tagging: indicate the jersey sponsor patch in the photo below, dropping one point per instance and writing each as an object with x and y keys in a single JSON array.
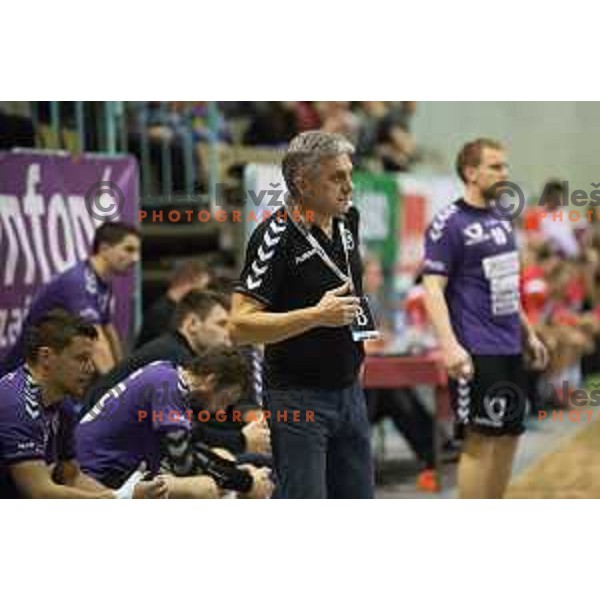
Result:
[{"x": 502, "y": 272}]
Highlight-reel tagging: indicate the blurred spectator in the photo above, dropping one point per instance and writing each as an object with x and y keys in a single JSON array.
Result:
[
  {"x": 379, "y": 129},
  {"x": 180, "y": 119},
  {"x": 336, "y": 117},
  {"x": 558, "y": 296},
  {"x": 370, "y": 115},
  {"x": 396, "y": 146},
  {"x": 555, "y": 225},
  {"x": 272, "y": 124},
  {"x": 181, "y": 125},
  {"x": 307, "y": 116},
  {"x": 190, "y": 275},
  {"x": 15, "y": 132}
]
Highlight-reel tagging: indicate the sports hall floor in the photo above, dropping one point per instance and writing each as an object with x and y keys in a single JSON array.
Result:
[{"x": 555, "y": 460}]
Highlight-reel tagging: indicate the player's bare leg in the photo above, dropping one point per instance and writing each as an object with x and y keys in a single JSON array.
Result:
[
  {"x": 474, "y": 466},
  {"x": 504, "y": 454},
  {"x": 485, "y": 465}
]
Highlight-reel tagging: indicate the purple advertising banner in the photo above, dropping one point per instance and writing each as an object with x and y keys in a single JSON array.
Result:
[{"x": 46, "y": 226}]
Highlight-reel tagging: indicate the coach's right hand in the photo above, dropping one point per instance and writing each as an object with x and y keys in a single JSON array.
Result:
[
  {"x": 458, "y": 361},
  {"x": 336, "y": 308}
]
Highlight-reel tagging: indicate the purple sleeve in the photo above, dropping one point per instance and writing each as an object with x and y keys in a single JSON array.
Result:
[
  {"x": 170, "y": 405},
  {"x": 442, "y": 246},
  {"x": 21, "y": 438}
]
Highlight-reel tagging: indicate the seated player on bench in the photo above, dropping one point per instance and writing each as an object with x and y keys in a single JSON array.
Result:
[
  {"x": 37, "y": 449},
  {"x": 149, "y": 416}
]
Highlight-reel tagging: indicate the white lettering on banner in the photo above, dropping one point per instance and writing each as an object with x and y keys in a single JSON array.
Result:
[
  {"x": 12, "y": 219},
  {"x": 502, "y": 271},
  {"x": 33, "y": 206},
  {"x": 58, "y": 221},
  {"x": 58, "y": 235},
  {"x": 83, "y": 225},
  {"x": 11, "y": 323}
]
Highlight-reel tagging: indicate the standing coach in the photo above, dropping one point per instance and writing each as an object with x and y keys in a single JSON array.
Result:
[{"x": 299, "y": 294}]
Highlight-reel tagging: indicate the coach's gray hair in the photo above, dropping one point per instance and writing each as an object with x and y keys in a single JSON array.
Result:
[{"x": 306, "y": 150}]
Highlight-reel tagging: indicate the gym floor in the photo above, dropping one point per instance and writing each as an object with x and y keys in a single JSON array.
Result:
[{"x": 555, "y": 459}]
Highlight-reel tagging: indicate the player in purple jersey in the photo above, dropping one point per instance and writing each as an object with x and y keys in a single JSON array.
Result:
[
  {"x": 148, "y": 416},
  {"x": 471, "y": 278},
  {"x": 37, "y": 447},
  {"x": 84, "y": 290}
]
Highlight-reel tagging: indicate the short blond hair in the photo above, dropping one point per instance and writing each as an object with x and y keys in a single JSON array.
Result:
[{"x": 470, "y": 154}]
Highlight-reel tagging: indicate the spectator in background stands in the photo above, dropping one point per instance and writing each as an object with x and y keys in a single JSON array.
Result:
[
  {"x": 307, "y": 116},
  {"x": 370, "y": 115},
  {"x": 180, "y": 119},
  {"x": 272, "y": 124},
  {"x": 181, "y": 125},
  {"x": 396, "y": 146},
  {"x": 190, "y": 275},
  {"x": 336, "y": 117},
  {"x": 85, "y": 290},
  {"x": 16, "y": 131},
  {"x": 384, "y": 139},
  {"x": 555, "y": 225}
]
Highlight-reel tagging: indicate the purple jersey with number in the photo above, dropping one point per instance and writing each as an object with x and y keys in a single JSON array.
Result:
[
  {"x": 79, "y": 290},
  {"x": 29, "y": 430},
  {"x": 125, "y": 426},
  {"x": 477, "y": 253}
]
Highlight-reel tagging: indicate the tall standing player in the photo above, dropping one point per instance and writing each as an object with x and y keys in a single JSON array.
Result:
[
  {"x": 299, "y": 295},
  {"x": 471, "y": 278}
]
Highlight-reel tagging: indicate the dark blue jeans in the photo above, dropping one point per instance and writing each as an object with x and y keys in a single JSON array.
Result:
[{"x": 321, "y": 443}]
